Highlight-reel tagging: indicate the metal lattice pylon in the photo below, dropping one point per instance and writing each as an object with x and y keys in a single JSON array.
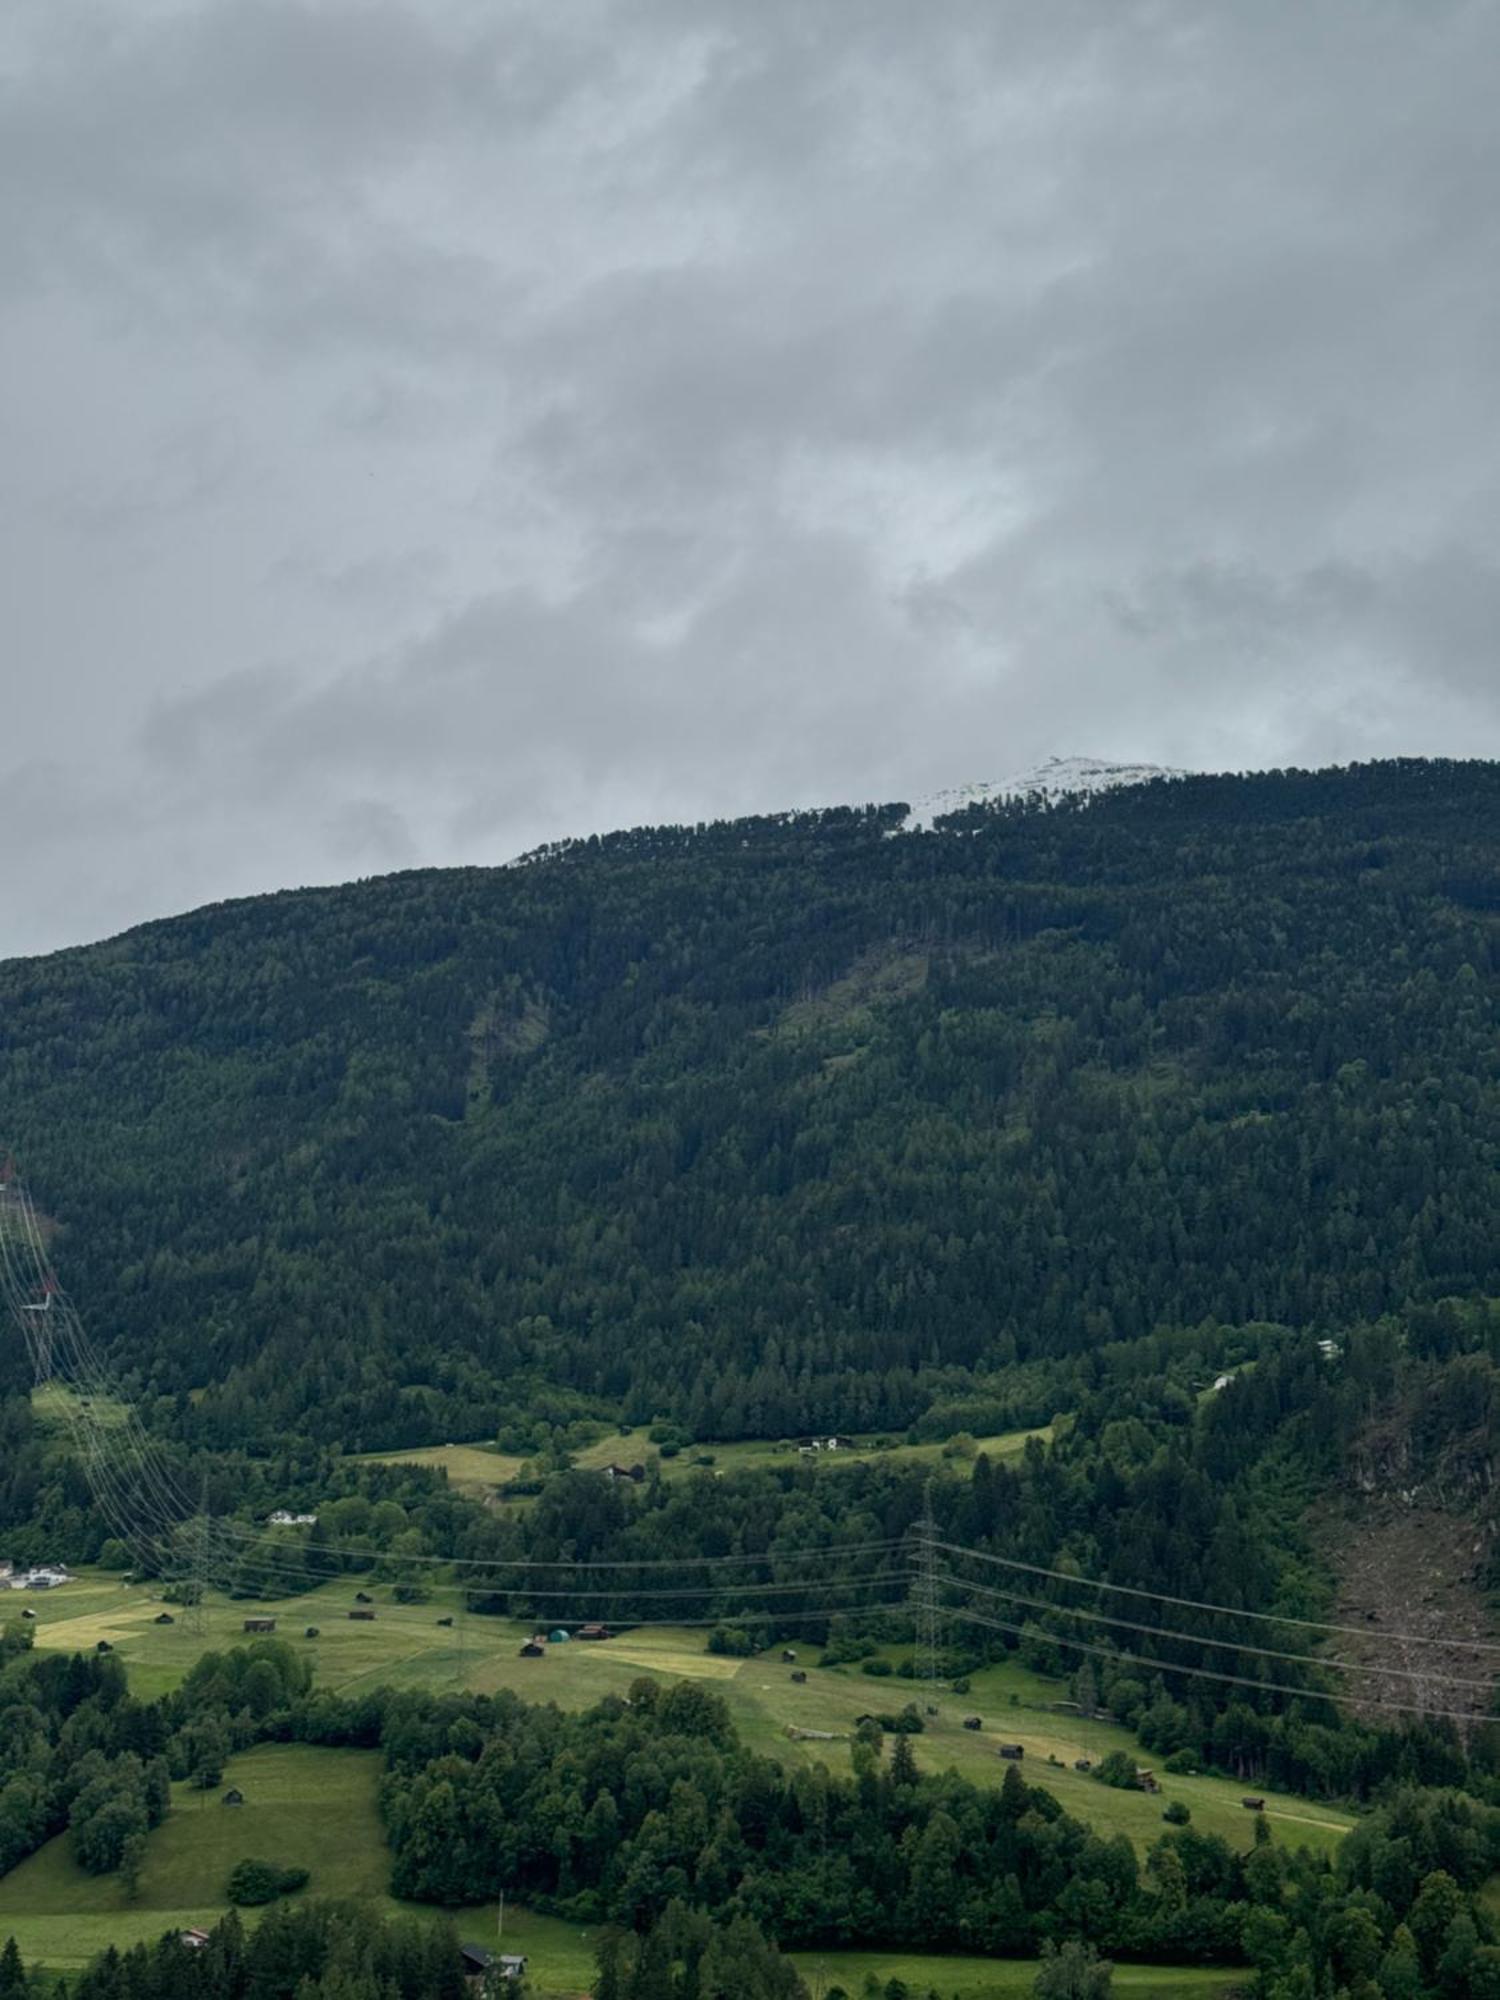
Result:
[{"x": 925, "y": 1593}]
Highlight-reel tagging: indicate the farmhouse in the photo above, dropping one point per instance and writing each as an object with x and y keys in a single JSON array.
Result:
[
  {"x": 808, "y": 1445},
  {"x": 46, "y": 1576},
  {"x": 624, "y": 1471},
  {"x": 282, "y": 1518},
  {"x": 1147, "y": 1780},
  {"x": 195, "y": 1940}
]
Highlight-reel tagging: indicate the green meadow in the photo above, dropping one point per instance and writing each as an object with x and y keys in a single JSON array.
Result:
[
  {"x": 316, "y": 1809},
  {"x": 476, "y": 1466},
  {"x": 404, "y": 1646}
]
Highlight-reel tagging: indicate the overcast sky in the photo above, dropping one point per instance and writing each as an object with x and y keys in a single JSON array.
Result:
[{"x": 428, "y": 427}]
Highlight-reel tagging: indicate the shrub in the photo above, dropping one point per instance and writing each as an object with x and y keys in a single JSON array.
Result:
[
  {"x": 1177, "y": 1814},
  {"x": 253, "y": 1882},
  {"x": 1118, "y": 1769},
  {"x": 1183, "y": 1764},
  {"x": 877, "y": 1669}
]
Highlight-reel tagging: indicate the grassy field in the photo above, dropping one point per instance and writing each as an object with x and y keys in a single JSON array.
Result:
[
  {"x": 315, "y": 1808},
  {"x": 963, "y": 1978},
  {"x": 480, "y": 1467},
  {"x": 404, "y": 1646},
  {"x": 304, "y": 1806},
  {"x": 56, "y": 1404}
]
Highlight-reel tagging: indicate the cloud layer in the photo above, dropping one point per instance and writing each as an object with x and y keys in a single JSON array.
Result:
[{"x": 428, "y": 427}]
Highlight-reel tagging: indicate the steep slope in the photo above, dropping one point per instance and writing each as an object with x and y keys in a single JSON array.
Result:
[{"x": 782, "y": 1122}]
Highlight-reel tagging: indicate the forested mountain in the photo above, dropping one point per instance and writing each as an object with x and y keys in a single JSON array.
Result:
[{"x": 779, "y": 1123}]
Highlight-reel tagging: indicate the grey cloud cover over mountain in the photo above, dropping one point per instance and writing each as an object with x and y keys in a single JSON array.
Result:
[{"x": 428, "y": 428}]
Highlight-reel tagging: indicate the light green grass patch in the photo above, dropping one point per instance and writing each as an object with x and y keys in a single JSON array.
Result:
[
  {"x": 758, "y": 1454},
  {"x": 56, "y": 1405},
  {"x": 404, "y": 1646},
  {"x": 305, "y": 1807},
  {"x": 967, "y": 1978},
  {"x": 475, "y": 1466}
]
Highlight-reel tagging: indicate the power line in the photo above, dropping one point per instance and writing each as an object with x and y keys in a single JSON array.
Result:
[
  {"x": 1221, "y": 1610},
  {"x": 924, "y": 1591},
  {"x": 1210, "y": 1674},
  {"x": 1226, "y": 1645}
]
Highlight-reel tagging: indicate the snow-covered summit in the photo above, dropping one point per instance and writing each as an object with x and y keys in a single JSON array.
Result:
[{"x": 1050, "y": 779}]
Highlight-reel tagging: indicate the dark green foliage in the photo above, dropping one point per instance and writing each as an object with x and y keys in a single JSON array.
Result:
[
  {"x": 686, "y": 1956},
  {"x": 251, "y": 1882},
  {"x": 781, "y": 1124},
  {"x": 312, "y": 1950},
  {"x": 78, "y": 1752},
  {"x": 1073, "y": 1972},
  {"x": 1117, "y": 1769}
]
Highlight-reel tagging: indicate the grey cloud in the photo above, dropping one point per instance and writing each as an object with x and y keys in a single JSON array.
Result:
[{"x": 427, "y": 429}]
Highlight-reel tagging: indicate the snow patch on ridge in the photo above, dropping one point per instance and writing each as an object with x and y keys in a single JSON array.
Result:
[{"x": 1050, "y": 780}]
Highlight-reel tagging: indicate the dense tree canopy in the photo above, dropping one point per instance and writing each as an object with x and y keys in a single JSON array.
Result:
[{"x": 770, "y": 1124}]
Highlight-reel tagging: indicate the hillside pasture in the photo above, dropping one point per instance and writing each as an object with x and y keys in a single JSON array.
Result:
[
  {"x": 304, "y": 1806},
  {"x": 480, "y": 1468},
  {"x": 404, "y": 1646}
]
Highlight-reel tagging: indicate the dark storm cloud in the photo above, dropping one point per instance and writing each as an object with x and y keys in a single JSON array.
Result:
[{"x": 428, "y": 429}]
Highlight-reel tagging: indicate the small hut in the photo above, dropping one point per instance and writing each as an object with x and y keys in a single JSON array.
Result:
[
  {"x": 234, "y": 1796},
  {"x": 799, "y": 1677},
  {"x": 364, "y": 1617},
  {"x": 972, "y": 1722},
  {"x": 533, "y": 1650},
  {"x": 1013, "y": 1752},
  {"x": 164, "y": 1618},
  {"x": 260, "y": 1624}
]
